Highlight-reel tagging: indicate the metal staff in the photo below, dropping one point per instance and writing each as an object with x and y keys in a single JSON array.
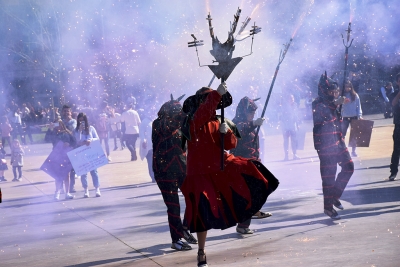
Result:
[
  {"x": 222, "y": 52},
  {"x": 346, "y": 56},
  {"x": 281, "y": 58}
]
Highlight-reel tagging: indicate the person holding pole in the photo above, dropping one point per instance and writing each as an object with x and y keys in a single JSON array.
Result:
[
  {"x": 246, "y": 124},
  {"x": 215, "y": 198},
  {"x": 330, "y": 146}
]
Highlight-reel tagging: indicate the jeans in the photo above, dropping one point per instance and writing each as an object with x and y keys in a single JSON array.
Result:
[
  {"x": 71, "y": 180},
  {"x": 345, "y": 125},
  {"x": 105, "y": 144},
  {"x": 130, "y": 140},
  {"x": 15, "y": 171},
  {"x": 333, "y": 185},
  {"x": 95, "y": 179},
  {"x": 293, "y": 141}
]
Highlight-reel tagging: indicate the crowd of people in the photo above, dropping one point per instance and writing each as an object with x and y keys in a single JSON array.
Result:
[{"x": 183, "y": 146}]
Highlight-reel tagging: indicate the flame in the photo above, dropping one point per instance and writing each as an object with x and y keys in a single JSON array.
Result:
[
  {"x": 352, "y": 10},
  {"x": 254, "y": 11},
  {"x": 208, "y": 6},
  {"x": 301, "y": 18}
]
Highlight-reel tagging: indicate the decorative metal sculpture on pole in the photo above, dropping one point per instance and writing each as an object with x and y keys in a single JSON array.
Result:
[
  {"x": 281, "y": 58},
  {"x": 222, "y": 52}
]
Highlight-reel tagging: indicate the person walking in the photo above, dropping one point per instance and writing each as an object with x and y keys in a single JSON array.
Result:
[
  {"x": 169, "y": 166},
  {"x": 215, "y": 198},
  {"x": 132, "y": 121},
  {"x": 330, "y": 146},
  {"x": 247, "y": 148}
]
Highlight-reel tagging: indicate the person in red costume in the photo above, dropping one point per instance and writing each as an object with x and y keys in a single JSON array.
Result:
[{"x": 215, "y": 198}]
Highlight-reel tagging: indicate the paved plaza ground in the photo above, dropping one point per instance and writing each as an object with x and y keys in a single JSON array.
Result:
[{"x": 127, "y": 225}]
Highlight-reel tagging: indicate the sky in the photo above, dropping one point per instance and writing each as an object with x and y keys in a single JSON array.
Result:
[{"x": 85, "y": 48}]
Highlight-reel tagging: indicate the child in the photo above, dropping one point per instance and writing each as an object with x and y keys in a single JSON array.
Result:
[
  {"x": 6, "y": 129},
  {"x": 17, "y": 159},
  {"x": 3, "y": 164}
]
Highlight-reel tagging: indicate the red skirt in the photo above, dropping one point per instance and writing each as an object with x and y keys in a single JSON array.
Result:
[{"x": 222, "y": 199}]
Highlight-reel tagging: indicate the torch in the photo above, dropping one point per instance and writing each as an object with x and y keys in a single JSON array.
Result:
[
  {"x": 346, "y": 56},
  {"x": 222, "y": 52},
  {"x": 281, "y": 58}
]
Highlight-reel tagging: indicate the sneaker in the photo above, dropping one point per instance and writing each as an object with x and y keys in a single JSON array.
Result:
[
  {"x": 86, "y": 195},
  {"x": 332, "y": 213},
  {"x": 57, "y": 195},
  {"x": 98, "y": 194},
  {"x": 19, "y": 179},
  {"x": 244, "y": 231},
  {"x": 354, "y": 154},
  {"x": 179, "y": 245},
  {"x": 15, "y": 180},
  {"x": 69, "y": 196},
  {"x": 337, "y": 204},
  {"x": 295, "y": 157},
  {"x": 392, "y": 177},
  {"x": 109, "y": 159},
  {"x": 2, "y": 179},
  {"x": 189, "y": 237}
]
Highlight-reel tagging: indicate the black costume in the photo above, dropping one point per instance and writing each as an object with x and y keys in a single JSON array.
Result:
[
  {"x": 330, "y": 146},
  {"x": 169, "y": 162},
  {"x": 245, "y": 146}
]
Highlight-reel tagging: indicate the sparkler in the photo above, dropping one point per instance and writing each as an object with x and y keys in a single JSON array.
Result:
[
  {"x": 281, "y": 58},
  {"x": 222, "y": 52}
]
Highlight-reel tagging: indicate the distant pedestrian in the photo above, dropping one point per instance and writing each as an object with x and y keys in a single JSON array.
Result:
[
  {"x": 70, "y": 125},
  {"x": 394, "y": 163},
  {"x": 56, "y": 133},
  {"x": 6, "y": 129},
  {"x": 132, "y": 121},
  {"x": 84, "y": 135},
  {"x": 386, "y": 91},
  {"x": 17, "y": 160},
  {"x": 290, "y": 121},
  {"x": 3, "y": 164},
  {"x": 351, "y": 111}
]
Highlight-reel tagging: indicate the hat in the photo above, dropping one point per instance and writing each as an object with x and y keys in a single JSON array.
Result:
[
  {"x": 170, "y": 108},
  {"x": 326, "y": 84},
  {"x": 192, "y": 103},
  {"x": 246, "y": 105}
]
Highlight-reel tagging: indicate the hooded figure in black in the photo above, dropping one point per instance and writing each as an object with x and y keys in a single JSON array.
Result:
[
  {"x": 169, "y": 166},
  {"x": 330, "y": 146},
  {"x": 246, "y": 148}
]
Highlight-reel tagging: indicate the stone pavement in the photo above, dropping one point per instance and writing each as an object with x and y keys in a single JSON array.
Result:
[{"x": 127, "y": 225}]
